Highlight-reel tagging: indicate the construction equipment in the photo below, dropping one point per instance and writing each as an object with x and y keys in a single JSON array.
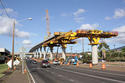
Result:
[
  {"x": 47, "y": 24},
  {"x": 64, "y": 38}
]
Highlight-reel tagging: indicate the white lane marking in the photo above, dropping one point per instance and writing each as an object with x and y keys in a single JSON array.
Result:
[
  {"x": 52, "y": 72},
  {"x": 101, "y": 72},
  {"x": 71, "y": 80},
  {"x": 60, "y": 75},
  {"x": 30, "y": 74},
  {"x": 92, "y": 76},
  {"x": 35, "y": 68}
]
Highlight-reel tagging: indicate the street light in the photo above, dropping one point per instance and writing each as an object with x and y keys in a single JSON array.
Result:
[
  {"x": 71, "y": 50},
  {"x": 13, "y": 39}
]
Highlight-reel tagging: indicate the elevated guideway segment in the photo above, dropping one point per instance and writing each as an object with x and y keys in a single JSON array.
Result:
[{"x": 64, "y": 38}]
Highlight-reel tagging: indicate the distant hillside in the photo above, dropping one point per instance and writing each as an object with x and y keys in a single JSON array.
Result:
[{"x": 119, "y": 48}]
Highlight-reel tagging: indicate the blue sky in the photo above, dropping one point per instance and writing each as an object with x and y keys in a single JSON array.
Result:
[{"x": 64, "y": 15}]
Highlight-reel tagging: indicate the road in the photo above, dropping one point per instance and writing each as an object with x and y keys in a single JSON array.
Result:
[{"x": 68, "y": 74}]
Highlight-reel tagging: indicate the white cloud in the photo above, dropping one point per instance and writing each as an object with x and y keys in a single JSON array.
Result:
[
  {"x": 120, "y": 29},
  {"x": 78, "y": 19},
  {"x": 9, "y": 11},
  {"x": 6, "y": 27},
  {"x": 78, "y": 15},
  {"x": 121, "y": 35},
  {"x": 107, "y": 18},
  {"x": 63, "y": 14},
  {"x": 22, "y": 34},
  {"x": 119, "y": 13},
  {"x": 26, "y": 42},
  {"x": 79, "y": 12},
  {"x": 89, "y": 26}
]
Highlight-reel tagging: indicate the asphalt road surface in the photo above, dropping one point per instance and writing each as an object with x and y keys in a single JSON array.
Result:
[{"x": 68, "y": 74}]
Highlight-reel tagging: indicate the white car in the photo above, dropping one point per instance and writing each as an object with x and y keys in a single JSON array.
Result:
[{"x": 56, "y": 62}]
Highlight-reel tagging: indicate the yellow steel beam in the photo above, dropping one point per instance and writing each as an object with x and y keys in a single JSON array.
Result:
[
  {"x": 94, "y": 40},
  {"x": 65, "y": 37},
  {"x": 59, "y": 37}
]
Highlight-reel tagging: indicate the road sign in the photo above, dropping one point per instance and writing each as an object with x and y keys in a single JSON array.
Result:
[
  {"x": 16, "y": 62},
  {"x": 9, "y": 63}
]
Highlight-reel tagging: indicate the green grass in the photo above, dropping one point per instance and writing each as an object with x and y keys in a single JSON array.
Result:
[{"x": 3, "y": 68}]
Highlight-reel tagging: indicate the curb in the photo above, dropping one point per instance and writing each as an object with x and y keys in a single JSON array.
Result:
[{"x": 30, "y": 75}]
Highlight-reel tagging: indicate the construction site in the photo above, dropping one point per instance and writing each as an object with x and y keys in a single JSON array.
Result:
[
  {"x": 68, "y": 41},
  {"x": 62, "y": 39}
]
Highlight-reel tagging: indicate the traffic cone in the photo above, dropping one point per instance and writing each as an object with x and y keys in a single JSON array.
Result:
[
  {"x": 60, "y": 63},
  {"x": 51, "y": 62},
  {"x": 14, "y": 68},
  {"x": 68, "y": 63},
  {"x": 77, "y": 64},
  {"x": 103, "y": 66},
  {"x": 25, "y": 71},
  {"x": 8, "y": 68},
  {"x": 90, "y": 65}
]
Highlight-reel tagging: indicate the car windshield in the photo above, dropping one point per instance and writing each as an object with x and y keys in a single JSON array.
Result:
[{"x": 44, "y": 61}]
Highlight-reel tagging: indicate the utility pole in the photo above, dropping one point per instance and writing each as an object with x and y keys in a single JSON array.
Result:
[
  {"x": 114, "y": 46},
  {"x": 13, "y": 44}
]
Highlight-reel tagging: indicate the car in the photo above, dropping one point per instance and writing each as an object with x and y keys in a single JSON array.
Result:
[
  {"x": 56, "y": 62},
  {"x": 34, "y": 62},
  {"x": 45, "y": 64}
]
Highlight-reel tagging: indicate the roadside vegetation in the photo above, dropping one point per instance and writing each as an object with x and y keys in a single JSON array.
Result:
[
  {"x": 3, "y": 68},
  {"x": 105, "y": 53}
]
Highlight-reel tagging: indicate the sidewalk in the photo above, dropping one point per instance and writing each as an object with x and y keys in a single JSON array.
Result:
[{"x": 16, "y": 76}]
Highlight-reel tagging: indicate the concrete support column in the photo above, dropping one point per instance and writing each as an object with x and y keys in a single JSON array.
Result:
[
  {"x": 41, "y": 52},
  {"x": 34, "y": 54},
  {"x": 63, "y": 53},
  {"x": 51, "y": 53},
  {"x": 44, "y": 56},
  {"x": 94, "y": 55},
  {"x": 37, "y": 53}
]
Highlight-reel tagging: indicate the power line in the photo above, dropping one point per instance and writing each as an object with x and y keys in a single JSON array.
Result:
[{"x": 4, "y": 8}]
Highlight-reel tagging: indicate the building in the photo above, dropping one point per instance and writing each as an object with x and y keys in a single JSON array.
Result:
[{"x": 4, "y": 54}]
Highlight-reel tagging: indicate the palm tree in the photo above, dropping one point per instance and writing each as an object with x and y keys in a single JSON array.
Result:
[{"x": 102, "y": 49}]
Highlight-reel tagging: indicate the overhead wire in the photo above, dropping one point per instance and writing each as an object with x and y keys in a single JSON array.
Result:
[{"x": 3, "y": 6}]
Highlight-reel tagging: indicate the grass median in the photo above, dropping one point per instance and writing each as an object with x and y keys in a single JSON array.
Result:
[{"x": 3, "y": 68}]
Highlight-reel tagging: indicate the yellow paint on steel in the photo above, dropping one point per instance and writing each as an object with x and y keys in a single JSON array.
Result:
[{"x": 64, "y": 38}]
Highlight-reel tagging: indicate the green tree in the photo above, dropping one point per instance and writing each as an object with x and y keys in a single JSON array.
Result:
[
  {"x": 123, "y": 49},
  {"x": 87, "y": 58},
  {"x": 102, "y": 49}
]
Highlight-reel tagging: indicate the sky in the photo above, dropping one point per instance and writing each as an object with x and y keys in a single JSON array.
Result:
[{"x": 64, "y": 15}]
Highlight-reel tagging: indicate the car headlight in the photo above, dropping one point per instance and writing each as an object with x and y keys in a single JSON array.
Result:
[{"x": 44, "y": 64}]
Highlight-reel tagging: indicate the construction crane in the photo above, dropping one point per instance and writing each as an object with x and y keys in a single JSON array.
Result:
[{"x": 47, "y": 24}]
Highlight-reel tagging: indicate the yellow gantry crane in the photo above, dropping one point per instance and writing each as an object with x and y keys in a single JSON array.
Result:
[
  {"x": 47, "y": 24},
  {"x": 64, "y": 38},
  {"x": 69, "y": 37}
]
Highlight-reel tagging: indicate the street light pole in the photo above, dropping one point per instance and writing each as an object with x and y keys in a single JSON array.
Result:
[
  {"x": 83, "y": 46},
  {"x": 71, "y": 50},
  {"x": 13, "y": 44},
  {"x": 13, "y": 41}
]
